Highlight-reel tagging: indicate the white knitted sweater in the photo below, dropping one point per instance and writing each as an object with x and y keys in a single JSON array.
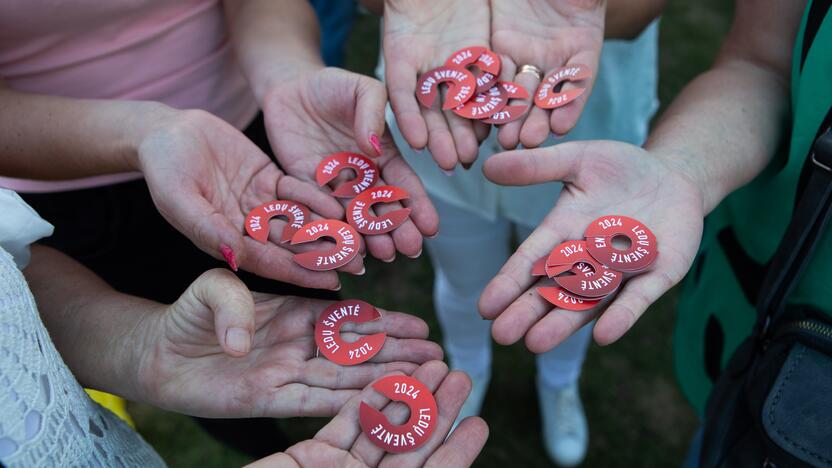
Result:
[{"x": 46, "y": 418}]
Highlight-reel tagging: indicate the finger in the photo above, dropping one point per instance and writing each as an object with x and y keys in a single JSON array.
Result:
[
  {"x": 509, "y": 134},
  {"x": 450, "y": 396},
  {"x": 463, "y": 445},
  {"x": 563, "y": 119},
  {"x": 520, "y": 316},
  {"x": 381, "y": 246},
  {"x": 631, "y": 303},
  {"x": 431, "y": 374},
  {"x": 290, "y": 188},
  {"x": 532, "y": 130},
  {"x": 397, "y": 324},
  {"x": 323, "y": 373},
  {"x": 536, "y": 166},
  {"x": 440, "y": 140},
  {"x": 515, "y": 276},
  {"x": 555, "y": 327},
  {"x": 370, "y": 103},
  {"x": 297, "y": 399},
  {"x": 397, "y": 172},
  {"x": 406, "y": 238},
  {"x": 275, "y": 262},
  {"x": 400, "y": 78},
  {"x": 354, "y": 266},
  {"x": 343, "y": 430},
  {"x": 232, "y": 305},
  {"x": 481, "y": 131},
  {"x": 465, "y": 140},
  {"x": 404, "y": 349}
]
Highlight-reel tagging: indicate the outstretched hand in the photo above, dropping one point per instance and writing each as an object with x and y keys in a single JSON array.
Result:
[{"x": 600, "y": 178}]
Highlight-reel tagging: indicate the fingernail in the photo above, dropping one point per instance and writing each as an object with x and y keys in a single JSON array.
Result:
[
  {"x": 447, "y": 172},
  {"x": 337, "y": 288},
  {"x": 363, "y": 270},
  {"x": 418, "y": 254},
  {"x": 229, "y": 256},
  {"x": 433, "y": 236},
  {"x": 375, "y": 142},
  {"x": 467, "y": 166},
  {"x": 389, "y": 260},
  {"x": 238, "y": 340}
]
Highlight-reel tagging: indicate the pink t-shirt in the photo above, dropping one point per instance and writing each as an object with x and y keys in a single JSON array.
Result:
[{"x": 173, "y": 51}]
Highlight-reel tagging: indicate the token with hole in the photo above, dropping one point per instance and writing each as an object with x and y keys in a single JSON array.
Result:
[
  {"x": 328, "y": 337},
  {"x": 257, "y": 221},
  {"x": 461, "y": 86},
  {"x": 347, "y": 244},
  {"x": 639, "y": 251},
  {"x": 549, "y": 96},
  {"x": 398, "y": 438},
  {"x": 365, "y": 169},
  {"x": 358, "y": 211}
]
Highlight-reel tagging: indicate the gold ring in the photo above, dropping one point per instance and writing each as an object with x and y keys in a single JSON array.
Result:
[{"x": 531, "y": 69}]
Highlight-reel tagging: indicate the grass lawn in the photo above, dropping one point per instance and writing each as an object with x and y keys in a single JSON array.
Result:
[{"x": 636, "y": 413}]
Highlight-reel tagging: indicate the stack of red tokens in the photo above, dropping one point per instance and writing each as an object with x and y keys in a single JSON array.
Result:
[
  {"x": 300, "y": 229},
  {"x": 587, "y": 271},
  {"x": 474, "y": 92}
]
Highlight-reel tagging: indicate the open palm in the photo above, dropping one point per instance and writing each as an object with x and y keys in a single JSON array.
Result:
[
  {"x": 328, "y": 110},
  {"x": 548, "y": 34},
  {"x": 197, "y": 365},
  {"x": 419, "y": 36},
  {"x": 600, "y": 178}
]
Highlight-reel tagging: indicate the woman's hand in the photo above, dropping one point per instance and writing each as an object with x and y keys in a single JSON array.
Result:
[
  {"x": 205, "y": 176},
  {"x": 548, "y": 34},
  {"x": 419, "y": 36},
  {"x": 220, "y": 351},
  {"x": 341, "y": 442},
  {"x": 600, "y": 178},
  {"x": 320, "y": 111}
]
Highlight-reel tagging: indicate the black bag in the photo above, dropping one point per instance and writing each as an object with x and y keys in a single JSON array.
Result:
[{"x": 772, "y": 405}]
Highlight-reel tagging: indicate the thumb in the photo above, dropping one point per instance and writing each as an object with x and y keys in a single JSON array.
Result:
[
  {"x": 370, "y": 103},
  {"x": 233, "y": 308},
  {"x": 536, "y": 166}
]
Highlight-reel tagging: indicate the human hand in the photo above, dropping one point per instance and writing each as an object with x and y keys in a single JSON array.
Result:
[
  {"x": 341, "y": 442},
  {"x": 221, "y": 351},
  {"x": 321, "y": 111},
  {"x": 548, "y": 34},
  {"x": 600, "y": 178},
  {"x": 205, "y": 176},
  {"x": 418, "y": 36}
]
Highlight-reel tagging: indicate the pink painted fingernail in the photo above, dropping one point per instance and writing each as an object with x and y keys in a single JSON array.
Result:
[
  {"x": 229, "y": 256},
  {"x": 376, "y": 144}
]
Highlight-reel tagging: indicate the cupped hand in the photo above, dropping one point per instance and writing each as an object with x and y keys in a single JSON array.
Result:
[
  {"x": 319, "y": 112},
  {"x": 600, "y": 178},
  {"x": 341, "y": 442},
  {"x": 419, "y": 36},
  {"x": 221, "y": 351},
  {"x": 548, "y": 34},
  {"x": 205, "y": 176}
]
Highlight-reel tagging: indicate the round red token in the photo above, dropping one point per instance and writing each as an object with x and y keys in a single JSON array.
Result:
[
  {"x": 366, "y": 173},
  {"x": 257, "y": 221},
  {"x": 460, "y": 89},
  {"x": 359, "y": 217},
  {"x": 564, "y": 299},
  {"x": 539, "y": 267},
  {"x": 486, "y": 60},
  {"x": 328, "y": 338},
  {"x": 483, "y": 105},
  {"x": 587, "y": 277},
  {"x": 410, "y": 435},
  {"x": 510, "y": 112},
  {"x": 347, "y": 244},
  {"x": 548, "y": 98},
  {"x": 640, "y": 254}
]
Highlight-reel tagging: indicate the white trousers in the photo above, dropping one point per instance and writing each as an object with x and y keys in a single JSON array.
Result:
[{"x": 466, "y": 254}]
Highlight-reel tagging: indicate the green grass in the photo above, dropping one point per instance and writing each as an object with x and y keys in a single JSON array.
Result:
[{"x": 636, "y": 413}]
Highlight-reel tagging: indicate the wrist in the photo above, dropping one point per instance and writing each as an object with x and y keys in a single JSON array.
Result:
[
  {"x": 684, "y": 166},
  {"x": 272, "y": 76},
  {"x": 143, "y": 122}
]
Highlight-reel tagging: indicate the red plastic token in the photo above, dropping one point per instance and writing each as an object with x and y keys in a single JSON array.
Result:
[
  {"x": 257, "y": 221},
  {"x": 486, "y": 60},
  {"x": 563, "y": 299},
  {"x": 641, "y": 253},
  {"x": 548, "y": 98},
  {"x": 365, "y": 169},
  {"x": 539, "y": 267},
  {"x": 329, "y": 341},
  {"x": 410, "y": 435},
  {"x": 510, "y": 112},
  {"x": 347, "y": 244},
  {"x": 588, "y": 278},
  {"x": 483, "y": 105},
  {"x": 359, "y": 217},
  {"x": 460, "y": 89}
]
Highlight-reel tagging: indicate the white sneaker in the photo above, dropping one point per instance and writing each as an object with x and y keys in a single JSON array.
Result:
[
  {"x": 565, "y": 432},
  {"x": 473, "y": 404}
]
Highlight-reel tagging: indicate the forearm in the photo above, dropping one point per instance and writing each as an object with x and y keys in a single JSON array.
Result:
[
  {"x": 626, "y": 19},
  {"x": 725, "y": 126},
  {"x": 274, "y": 40},
  {"x": 50, "y": 137},
  {"x": 99, "y": 332}
]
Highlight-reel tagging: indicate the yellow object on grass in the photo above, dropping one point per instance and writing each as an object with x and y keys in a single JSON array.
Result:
[{"x": 113, "y": 403}]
